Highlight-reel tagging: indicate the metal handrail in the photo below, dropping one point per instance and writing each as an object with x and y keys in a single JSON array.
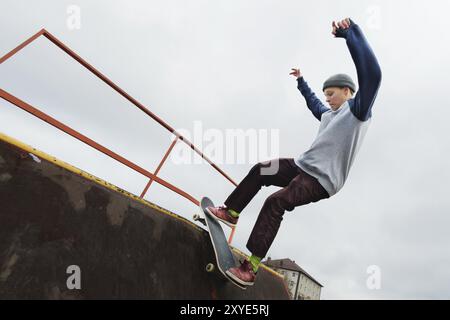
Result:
[{"x": 41, "y": 115}]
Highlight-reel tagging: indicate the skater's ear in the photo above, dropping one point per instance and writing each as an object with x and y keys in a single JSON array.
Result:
[{"x": 348, "y": 92}]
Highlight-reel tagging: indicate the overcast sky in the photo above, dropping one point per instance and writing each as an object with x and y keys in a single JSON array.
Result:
[{"x": 226, "y": 64}]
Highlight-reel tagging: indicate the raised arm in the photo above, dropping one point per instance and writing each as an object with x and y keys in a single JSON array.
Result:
[
  {"x": 314, "y": 104},
  {"x": 367, "y": 67}
]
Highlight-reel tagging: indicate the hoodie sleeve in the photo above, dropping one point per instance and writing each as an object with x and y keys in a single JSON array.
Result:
[
  {"x": 368, "y": 70},
  {"x": 314, "y": 104}
]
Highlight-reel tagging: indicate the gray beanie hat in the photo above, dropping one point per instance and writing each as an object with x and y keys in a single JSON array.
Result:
[{"x": 339, "y": 80}]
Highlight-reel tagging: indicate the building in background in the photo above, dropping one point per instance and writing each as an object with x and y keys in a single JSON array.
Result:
[{"x": 302, "y": 286}]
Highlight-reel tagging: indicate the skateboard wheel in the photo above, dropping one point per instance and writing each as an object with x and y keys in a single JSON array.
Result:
[{"x": 210, "y": 267}]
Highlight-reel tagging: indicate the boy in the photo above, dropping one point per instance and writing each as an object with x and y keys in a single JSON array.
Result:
[{"x": 320, "y": 172}]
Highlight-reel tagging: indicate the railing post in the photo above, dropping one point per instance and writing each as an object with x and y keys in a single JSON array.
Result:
[
  {"x": 230, "y": 239},
  {"x": 159, "y": 166}
]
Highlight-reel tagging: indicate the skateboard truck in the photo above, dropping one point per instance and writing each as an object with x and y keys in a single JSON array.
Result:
[{"x": 198, "y": 218}]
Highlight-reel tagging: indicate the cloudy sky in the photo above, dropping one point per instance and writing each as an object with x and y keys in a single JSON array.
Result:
[{"x": 224, "y": 66}]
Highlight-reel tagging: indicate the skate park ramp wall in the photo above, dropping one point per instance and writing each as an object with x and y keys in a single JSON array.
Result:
[{"x": 54, "y": 216}]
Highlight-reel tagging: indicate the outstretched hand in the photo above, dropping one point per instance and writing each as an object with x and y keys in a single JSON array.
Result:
[
  {"x": 296, "y": 73},
  {"x": 343, "y": 24}
]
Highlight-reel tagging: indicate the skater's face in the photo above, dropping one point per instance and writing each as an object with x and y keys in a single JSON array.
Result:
[{"x": 336, "y": 97}]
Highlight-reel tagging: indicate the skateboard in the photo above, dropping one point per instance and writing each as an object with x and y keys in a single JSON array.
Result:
[{"x": 224, "y": 257}]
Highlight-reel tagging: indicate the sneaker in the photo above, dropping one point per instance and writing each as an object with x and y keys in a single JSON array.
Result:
[
  {"x": 221, "y": 213},
  {"x": 243, "y": 275}
]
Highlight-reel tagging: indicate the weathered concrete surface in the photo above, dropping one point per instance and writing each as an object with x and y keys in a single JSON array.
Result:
[{"x": 53, "y": 217}]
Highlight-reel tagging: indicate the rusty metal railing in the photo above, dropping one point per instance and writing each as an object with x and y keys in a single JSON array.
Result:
[{"x": 52, "y": 121}]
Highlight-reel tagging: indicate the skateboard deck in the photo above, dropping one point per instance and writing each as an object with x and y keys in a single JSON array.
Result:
[{"x": 224, "y": 257}]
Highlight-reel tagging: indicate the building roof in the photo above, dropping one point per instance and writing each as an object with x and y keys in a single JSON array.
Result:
[{"x": 288, "y": 264}]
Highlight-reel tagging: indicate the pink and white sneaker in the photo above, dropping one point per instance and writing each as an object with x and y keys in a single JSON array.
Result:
[
  {"x": 244, "y": 275},
  {"x": 221, "y": 213}
]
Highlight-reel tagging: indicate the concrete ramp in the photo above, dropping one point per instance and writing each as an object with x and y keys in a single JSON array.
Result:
[{"x": 53, "y": 216}]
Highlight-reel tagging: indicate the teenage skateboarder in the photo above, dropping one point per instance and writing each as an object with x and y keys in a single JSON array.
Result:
[{"x": 320, "y": 172}]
